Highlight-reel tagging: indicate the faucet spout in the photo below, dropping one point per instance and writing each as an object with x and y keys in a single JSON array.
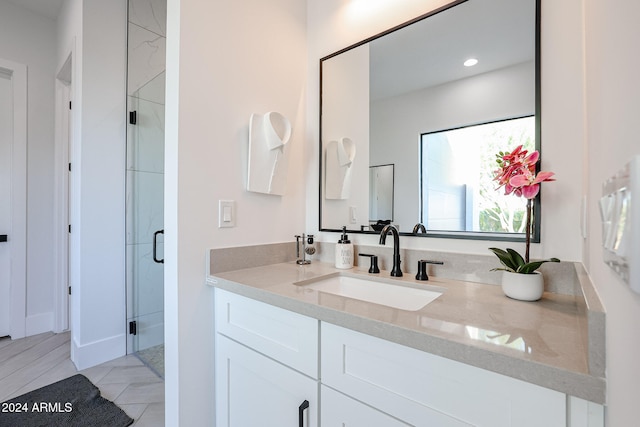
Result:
[
  {"x": 395, "y": 271},
  {"x": 419, "y": 227}
]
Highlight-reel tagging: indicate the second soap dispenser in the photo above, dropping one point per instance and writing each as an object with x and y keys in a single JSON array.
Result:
[{"x": 344, "y": 251}]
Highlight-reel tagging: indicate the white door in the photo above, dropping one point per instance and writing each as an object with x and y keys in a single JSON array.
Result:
[
  {"x": 13, "y": 197},
  {"x": 6, "y": 138}
]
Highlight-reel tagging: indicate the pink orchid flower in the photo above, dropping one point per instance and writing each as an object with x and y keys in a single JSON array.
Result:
[
  {"x": 517, "y": 173},
  {"x": 529, "y": 184}
]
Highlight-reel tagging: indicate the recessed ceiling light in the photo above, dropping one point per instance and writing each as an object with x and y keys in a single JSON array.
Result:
[
  {"x": 364, "y": 8},
  {"x": 470, "y": 62}
]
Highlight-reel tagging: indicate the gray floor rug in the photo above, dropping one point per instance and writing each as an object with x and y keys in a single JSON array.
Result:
[{"x": 72, "y": 402}]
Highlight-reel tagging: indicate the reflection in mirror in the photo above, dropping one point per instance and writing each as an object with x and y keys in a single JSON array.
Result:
[
  {"x": 386, "y": 93},
  {"x": 381, "y": 193},
  {"x": 458, "y": 192},
  {"x": 339, "y": 157}
]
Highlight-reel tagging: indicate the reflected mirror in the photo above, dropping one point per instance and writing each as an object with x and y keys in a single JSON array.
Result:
[{"x": 406, "y": 98}]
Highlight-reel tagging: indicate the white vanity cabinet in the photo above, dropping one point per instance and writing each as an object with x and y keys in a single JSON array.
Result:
[
  {"x": 266, "y": 365},
  {"x": 271, "y": 363}
]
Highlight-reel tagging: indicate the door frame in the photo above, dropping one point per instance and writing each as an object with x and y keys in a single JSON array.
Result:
[
  {"x": 63, "y": 144},
  {"x": 18, "y": 227}
]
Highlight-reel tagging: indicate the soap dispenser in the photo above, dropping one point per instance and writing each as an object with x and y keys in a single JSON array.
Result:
[{"x": 344, "y": 251}]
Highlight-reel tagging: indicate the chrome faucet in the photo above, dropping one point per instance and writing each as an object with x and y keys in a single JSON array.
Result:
[
  {"x": 395, "y": 271},
  {"x": 418, "y": 227}
]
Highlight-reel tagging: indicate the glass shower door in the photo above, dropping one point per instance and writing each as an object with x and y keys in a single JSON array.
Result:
[{"x": 145, "y": 181}]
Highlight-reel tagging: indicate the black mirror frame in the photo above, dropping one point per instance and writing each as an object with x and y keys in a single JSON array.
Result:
[{"x": 466, "y": 235}]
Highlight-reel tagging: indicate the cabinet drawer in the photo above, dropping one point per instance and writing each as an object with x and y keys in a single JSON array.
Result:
[
  {"x": 425, "y": 390},
  {"x": 287, "y": 337}
]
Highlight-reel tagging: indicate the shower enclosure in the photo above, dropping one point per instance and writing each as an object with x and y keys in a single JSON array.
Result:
[{"x": 145, "y": 181}]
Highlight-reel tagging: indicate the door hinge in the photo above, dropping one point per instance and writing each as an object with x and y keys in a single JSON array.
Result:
[
  {"x": 133, "y": 327},
  {"x": 69, "y": 228},
  {"x": 69, "y": 290},
  {"x": 69, "y": 105},
  {"x": 69, "y": 167},
  {"x": 133, "y": 117}
]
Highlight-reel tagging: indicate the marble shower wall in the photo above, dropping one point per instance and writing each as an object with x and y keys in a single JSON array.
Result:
[{"x": 145, "y": 169}]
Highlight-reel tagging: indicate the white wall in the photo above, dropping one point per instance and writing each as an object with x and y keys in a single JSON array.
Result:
[
  {"x": 29, "y": 39},
  {"x": 612, "y": 93},
  {"x": 96, "y": 33},
  {"x": 225, "y": 60},
  {"x": 334, "y": 24}
]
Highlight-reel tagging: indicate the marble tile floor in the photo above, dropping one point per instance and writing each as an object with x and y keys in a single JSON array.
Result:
[{"x": 29, "y": 363}]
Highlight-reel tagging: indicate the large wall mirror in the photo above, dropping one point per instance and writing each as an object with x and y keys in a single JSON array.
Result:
[{"x": 406, "y": 97}]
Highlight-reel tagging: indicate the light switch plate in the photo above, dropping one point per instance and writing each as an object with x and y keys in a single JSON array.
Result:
[
  {"x": 226, "y": 213},
  {"x": 620, "y": 214}
]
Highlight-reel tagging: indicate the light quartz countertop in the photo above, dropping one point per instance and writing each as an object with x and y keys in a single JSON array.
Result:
[{"x": 544, "y": 342}]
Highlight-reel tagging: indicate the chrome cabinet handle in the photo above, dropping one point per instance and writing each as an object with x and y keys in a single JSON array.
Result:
[
  {"x": 155, "y": 247},
  {"x": 301, "y": 410}
]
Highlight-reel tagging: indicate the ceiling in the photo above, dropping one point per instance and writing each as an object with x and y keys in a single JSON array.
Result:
[
  {"x": 499, "y": 33},
  {"x": 48, "y": 8}
]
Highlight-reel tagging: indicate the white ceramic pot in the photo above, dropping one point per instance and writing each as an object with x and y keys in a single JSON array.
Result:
[{"x": 524, "y": 287}]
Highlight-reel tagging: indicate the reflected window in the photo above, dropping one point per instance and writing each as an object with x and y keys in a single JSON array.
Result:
[{"x": 457, "y": 191}]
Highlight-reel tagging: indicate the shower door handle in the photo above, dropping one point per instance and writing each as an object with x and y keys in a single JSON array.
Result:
[{"x": 155, "y": 247}]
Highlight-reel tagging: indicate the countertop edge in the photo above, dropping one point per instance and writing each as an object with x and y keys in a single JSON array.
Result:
[
  {"x": 588, "y": 387},
  {"x": 596, "y": 322}
]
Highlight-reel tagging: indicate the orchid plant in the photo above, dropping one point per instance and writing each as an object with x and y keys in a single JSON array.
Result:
[{"x": 517, "y": 174}]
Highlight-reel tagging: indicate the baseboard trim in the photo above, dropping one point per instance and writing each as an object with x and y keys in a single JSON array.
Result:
[
  {"x": 97, "y": 352},
  {"x": 39, "y": 323}
]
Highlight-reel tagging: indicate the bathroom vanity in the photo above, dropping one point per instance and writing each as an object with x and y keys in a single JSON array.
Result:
[{"x": 290, "y": 351}]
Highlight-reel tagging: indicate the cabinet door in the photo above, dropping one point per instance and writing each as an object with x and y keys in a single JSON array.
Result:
[
  {"x": 427, "y": 390},
  {"x": 253, "y": 390},
  {"x": 339, "y": 410},
  {"x": 583, "y": 413}
]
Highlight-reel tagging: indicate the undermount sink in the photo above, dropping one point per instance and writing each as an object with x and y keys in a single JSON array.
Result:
[{"x": 375, "y": 291}]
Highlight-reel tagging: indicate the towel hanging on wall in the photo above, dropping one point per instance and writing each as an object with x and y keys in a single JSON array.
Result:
[
  {"x": 339, "y": 161},
  {"x": 269, "y": 136}
]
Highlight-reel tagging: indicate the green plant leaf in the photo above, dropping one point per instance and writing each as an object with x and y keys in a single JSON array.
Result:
[
  {"x": 513, "y": 261},
  {"x": 531, "y": 267},
  {"x": 517, "y": 258},
  {"x": 505, "y": 259}
]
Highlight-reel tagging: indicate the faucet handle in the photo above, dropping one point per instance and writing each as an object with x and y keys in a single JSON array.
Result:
[
  {"x": 422, "y": 268},
  {"x": 374, "y": 263}
]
